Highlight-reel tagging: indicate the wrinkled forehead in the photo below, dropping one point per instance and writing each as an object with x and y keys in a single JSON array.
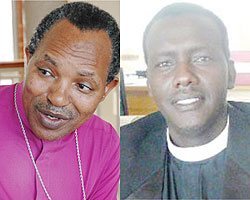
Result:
[{"x": 64, "y": 30}]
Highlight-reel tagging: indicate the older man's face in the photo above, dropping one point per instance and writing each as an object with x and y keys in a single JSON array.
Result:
[
  {"x": 188, "y": 72},
  {"x": 66, "y": 79}
]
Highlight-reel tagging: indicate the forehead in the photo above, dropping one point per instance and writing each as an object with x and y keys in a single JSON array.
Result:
[
  {"x": 69, "y": 46},
  {"x": 183, "y": 30},
  {"x": 68, "y": 34}
]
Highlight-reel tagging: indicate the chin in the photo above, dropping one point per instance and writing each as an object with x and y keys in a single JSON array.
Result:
[
  {"x": 191, "y": 128},
  {"x": 191, "y": 125},
  {"x": 50, "y": 135}
]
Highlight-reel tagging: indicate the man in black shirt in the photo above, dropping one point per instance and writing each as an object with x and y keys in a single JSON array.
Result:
[{"x": 196, "y": 147}]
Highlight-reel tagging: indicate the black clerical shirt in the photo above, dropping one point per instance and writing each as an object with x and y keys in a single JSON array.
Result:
[{"x": 195, "y": 180}]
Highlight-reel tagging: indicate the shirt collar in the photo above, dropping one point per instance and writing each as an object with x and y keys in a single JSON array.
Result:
[{"x": 199, "y": 153}]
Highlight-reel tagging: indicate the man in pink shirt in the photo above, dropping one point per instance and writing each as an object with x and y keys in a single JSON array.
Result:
[{"x": 51, "y": 144}]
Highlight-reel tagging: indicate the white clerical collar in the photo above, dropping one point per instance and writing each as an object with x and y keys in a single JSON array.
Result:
[{"x": 199, "y": 153}]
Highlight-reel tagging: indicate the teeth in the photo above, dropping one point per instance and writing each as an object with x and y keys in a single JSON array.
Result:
[
  {"x": 187, "y": 101},
  {"x": 51, "y": 117}
]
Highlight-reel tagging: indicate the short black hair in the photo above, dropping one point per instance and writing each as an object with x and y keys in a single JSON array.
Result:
[
  {"x": 178, "y": 9},
  {"x": 86, "y": 17}
]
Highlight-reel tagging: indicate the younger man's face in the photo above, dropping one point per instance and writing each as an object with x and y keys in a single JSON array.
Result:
[{"x": 188, "y": 72}]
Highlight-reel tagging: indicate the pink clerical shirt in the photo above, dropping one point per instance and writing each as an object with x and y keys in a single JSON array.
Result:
[{"x": 56, "y": 160}]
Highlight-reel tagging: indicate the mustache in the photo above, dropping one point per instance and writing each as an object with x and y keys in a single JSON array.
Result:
[{"x": 57, "y": 110}]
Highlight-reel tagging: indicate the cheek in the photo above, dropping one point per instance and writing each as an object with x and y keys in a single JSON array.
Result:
[
  {"x": 35, "y": 86},
  {"x": 160, "y": 86},
  {"x": 34, "y": 92},
  {"x": 85, "y": 104},
  {"x": 217, "y": 82}
]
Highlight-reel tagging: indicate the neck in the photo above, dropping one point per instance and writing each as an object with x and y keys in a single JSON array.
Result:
[{"x": 192, "y": 137}]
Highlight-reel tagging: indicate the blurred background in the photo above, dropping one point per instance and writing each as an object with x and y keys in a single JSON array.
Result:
[
  {"x": 136, "y": 14},
  {"x": 18, "y": 20}
]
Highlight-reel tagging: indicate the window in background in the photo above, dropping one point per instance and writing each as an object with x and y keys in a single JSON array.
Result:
[
  {"x": 9, "y": 76},
  {"x": 6, "y": 39},
  {"x": 11, "y": 40}
]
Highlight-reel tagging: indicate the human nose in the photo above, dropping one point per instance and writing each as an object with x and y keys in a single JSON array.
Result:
[
  {"x": 58, "y": 93},
  {"x": 184, "y": 76}
]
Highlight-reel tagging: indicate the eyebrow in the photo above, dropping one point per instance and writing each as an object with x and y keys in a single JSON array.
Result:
[
  {"x": 167, "y": 53},
  {"x": 82, "y": 73},
  {"x": 197, "y": 49},
  {"x": 50, "y": 60},
  {"x": 86, "y": 73},
  {"x": 89, "y": 75}
]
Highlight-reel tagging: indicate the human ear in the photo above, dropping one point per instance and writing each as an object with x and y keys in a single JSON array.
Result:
[
  {"x": 109, "y": 87},
  {"x": 231, "y": 75},
  {"x": 28, "y": 56}
]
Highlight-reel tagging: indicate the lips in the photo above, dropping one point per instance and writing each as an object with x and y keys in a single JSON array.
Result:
[
  {"x": 53, "y": 115},
  {"x": 188, "y": 102},
  {"x": 51, "y": 120}
]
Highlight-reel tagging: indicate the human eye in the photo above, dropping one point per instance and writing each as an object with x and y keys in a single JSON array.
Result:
[
  {"x": 85, "y": 87},
  {"x": 165, "y": 65},
  {"x": 202, "y": 60},
  {"x": 45, "y": 72}
]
